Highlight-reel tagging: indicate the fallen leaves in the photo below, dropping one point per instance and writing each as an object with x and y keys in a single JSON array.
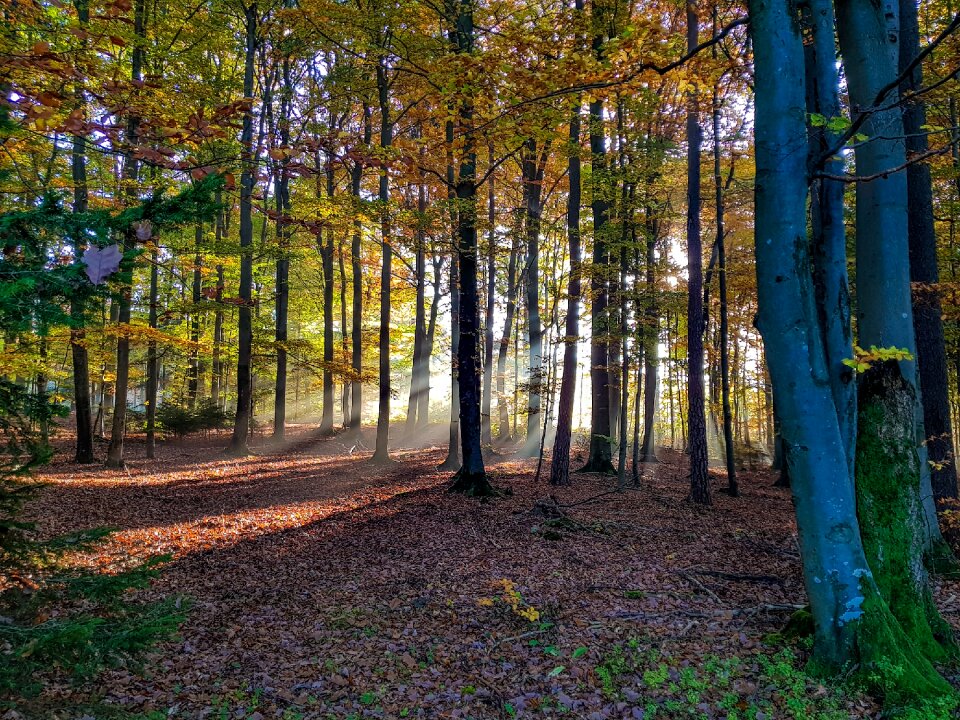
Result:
[{"x": 323, "y": 586}]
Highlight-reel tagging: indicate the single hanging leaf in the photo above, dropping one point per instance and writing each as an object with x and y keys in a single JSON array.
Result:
[{"x": 101, "y": 262}]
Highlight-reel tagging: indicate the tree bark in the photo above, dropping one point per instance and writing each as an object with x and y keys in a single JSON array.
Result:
[
  {"x": 699, "y": 477},
  {"x": 241, "y": 425},
  {"x": 560, "y": 467},
  {"x": 130, "y": 175},
  {"x": 78, "y": 348},
  {"x": 869, "y": 41},
  {"x": 924, "y": 273},
  {"x": 600, "y": 456},
  {"x": 382, "y": 453}
]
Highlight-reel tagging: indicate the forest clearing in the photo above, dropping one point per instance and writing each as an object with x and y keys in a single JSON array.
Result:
[{"x": 324, "y": 588}]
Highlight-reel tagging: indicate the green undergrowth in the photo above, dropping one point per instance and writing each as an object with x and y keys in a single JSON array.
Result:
[{"x": 753, "y": 686}]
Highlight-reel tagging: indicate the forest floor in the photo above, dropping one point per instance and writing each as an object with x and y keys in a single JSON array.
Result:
[{"x": 324, "y": 587}]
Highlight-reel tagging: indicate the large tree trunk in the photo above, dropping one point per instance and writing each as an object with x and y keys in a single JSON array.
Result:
[
  {"x": 130, "y": 176},
  {"x": 699, "y": 477},
  {"x": 241, "y": 425},
  {"x": 852, "y": 623},
  {"x": 829, "y": 237},
  {"x": 560, "y": 468},
  {"x": 927, "y": 313},
  {"x": 869, "y": 41}
]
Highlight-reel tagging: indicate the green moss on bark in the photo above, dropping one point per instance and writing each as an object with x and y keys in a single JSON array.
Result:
[{"x": 889, "y": 510}]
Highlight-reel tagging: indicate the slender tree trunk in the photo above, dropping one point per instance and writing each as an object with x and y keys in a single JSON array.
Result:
[
  {"x": 503, "y": 429},
  {"x": 651, "y": 338},
  {"x": 533, "y": 178},
  {"x": 927, "y": 312},
  {"x": 78, "y": 341},
  {"x": 216, "y": 381},
  {"x": 130, "y": 176},
  {"x": 560, "y": 468},
  {"x": 732, "y": 486},
  {"x": 281, "y": 329},
  {"x": 418, "y": 378},
  {"x": 471, "y": 479},
  {"x": 699, "y": 478},
  {"x": 624, "y": 378},
  {"x": 241, "y": 426},
  {"x": 487, "y": 403},
  {"x": 452, "y": 461},
  {"x": 356, "y": 399},
  {"x": 345, "y": 397},
  {"x": 153, "y": 362},
  {"x": 193, "y": 383},
  {"x": 382, "y": 454},
  {"x": 600, "y": 457},
  {"x": 423, "y": 412},
  {"x": 326, "y": 252}
]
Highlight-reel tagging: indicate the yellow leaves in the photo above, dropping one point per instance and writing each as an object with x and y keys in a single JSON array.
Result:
[
  {"x": 862, "y": 359},
  {"x": 510, "y": 596}
]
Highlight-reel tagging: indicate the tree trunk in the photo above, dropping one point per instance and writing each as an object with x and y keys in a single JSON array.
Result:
[
  {"x": 241, "y": 425},
  {"x": 924, "y": 274},
  {"x": 130, "y": 176},
  {"x": 503, "y": 429},
  {"x": 78, "y": 347},
  {"x": 452, "y": 461},
  {"x": 281, "y": 328},
  {"x": 418, "y": 379},
  {"x": 699, "y": 478},
  {"x": 471, "y": 479},
  {"x": 851, "y": 621},
  {"x": 651, "y": 342},
  {"x": 486, "y": 408},
  {"x": 732, "y": 486},
  {"x": 600, "y": 457},
  {"x": 345, "y": 397},
  {"x": 153, "y": 362},
  {"x": 193, "y": 383},
  {"x": 326, "y": 254},
  {"x": 382, "y": 454},
  {"x": 533, "y": 179},
  {"x": 869, "y": 41},
  {"x": 356, "y": 398},
  {"x": 560, "y": 468}
]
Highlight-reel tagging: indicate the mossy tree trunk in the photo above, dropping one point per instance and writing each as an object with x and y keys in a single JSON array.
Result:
[
  {"x": 853, "y": 626},
  {"x": 889, "y": 510}
]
